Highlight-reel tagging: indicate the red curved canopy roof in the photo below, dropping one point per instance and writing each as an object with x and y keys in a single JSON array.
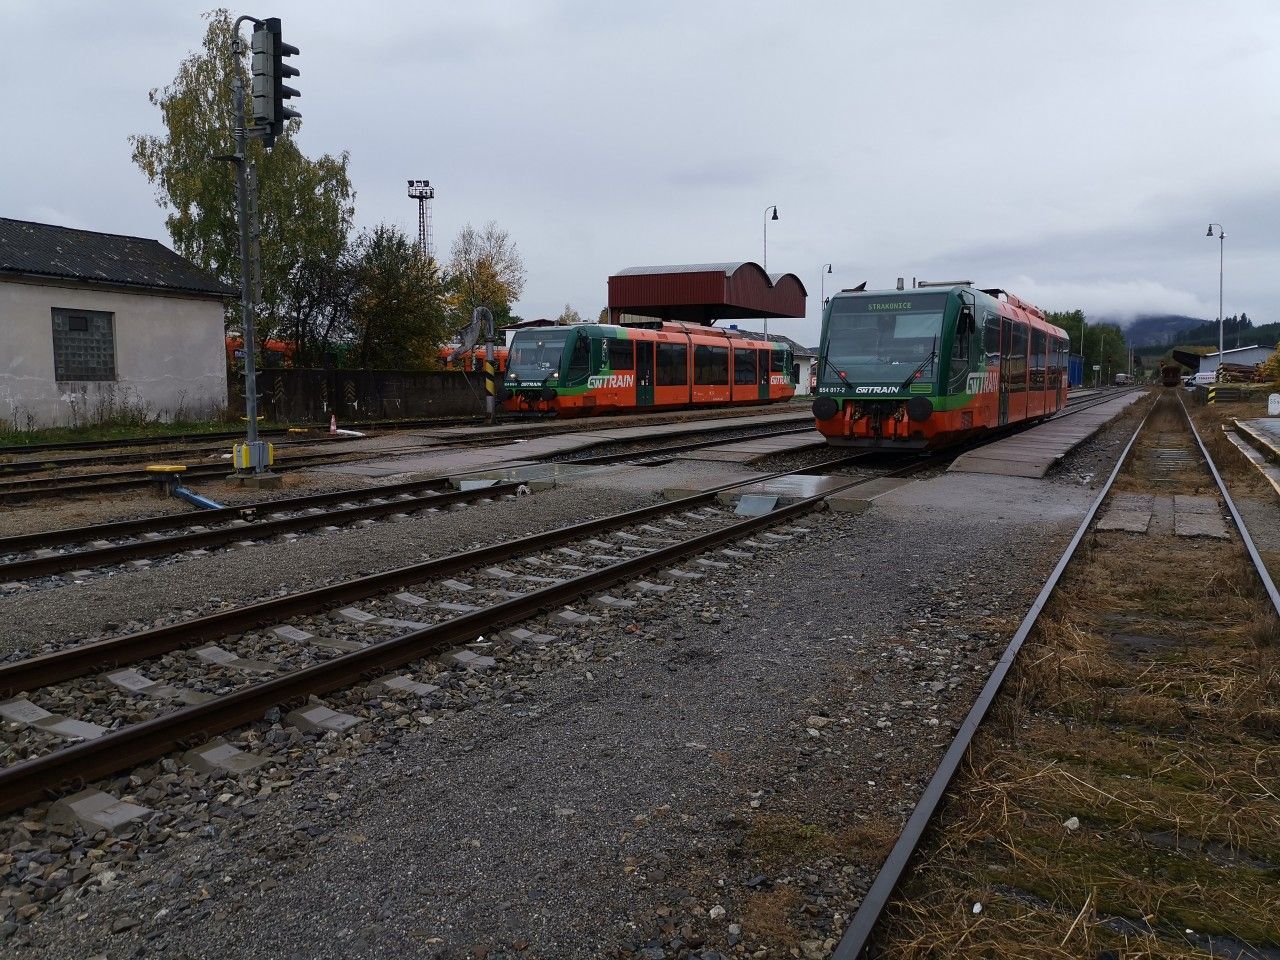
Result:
[{"x": 706, "y": 292}]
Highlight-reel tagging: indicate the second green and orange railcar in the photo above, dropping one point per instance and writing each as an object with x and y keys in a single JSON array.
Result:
[{"x": 593, "y": 368}]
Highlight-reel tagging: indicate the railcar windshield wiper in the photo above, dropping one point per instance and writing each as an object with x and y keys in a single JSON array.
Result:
[
  {"x": 933, "y": 355},
  {"x": 839, "y": 373}
]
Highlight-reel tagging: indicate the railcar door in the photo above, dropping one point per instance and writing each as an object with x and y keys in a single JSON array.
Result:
[
  {"x": 1006, "y": 339},
  {"x": 764, "y": 368},
  {"x": 644, "y": 373}
]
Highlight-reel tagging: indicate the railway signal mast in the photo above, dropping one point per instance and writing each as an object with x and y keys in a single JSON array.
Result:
[
  {"x": 424, "y": 193},
  {"x": 253, "y": 458}
]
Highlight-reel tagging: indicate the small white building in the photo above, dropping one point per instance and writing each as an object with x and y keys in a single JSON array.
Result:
[
  {"x": 803, "y": 360},
  {"x": 1249, "y": 356},
  {"x": 92, "y": 324}
]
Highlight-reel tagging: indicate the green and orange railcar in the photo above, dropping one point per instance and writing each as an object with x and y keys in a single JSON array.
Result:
[
  {"x": 934, "y": 366},
  {"x": 591, "y": 369}
]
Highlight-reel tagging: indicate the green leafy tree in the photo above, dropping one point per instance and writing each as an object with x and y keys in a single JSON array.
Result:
[
  {"x": 568, "y": 316},
  {"x": 397, "y": 317},
  {"x": 1098, "y": 343},
  {"x": 305, "y": 206},
  {"x": 485, "y": 269}
]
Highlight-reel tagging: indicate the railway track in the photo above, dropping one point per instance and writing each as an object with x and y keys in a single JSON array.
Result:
[
  {"x": 1162, "y": 464},
  {"x": 514, "y": 581},
  {"x": 37, "y": 555},
  {"x": 13, "y": 468},
  {"x": 20, "y": 490},
  {"x": 44, "y": 554}
]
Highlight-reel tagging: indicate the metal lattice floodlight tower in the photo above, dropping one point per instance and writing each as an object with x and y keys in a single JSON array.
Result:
[{"x": 424, "y": 193}]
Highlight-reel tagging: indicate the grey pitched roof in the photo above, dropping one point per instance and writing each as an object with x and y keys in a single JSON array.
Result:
[
  {"x": 41, "y": 249},
  {"x": 797, "y": 349}
]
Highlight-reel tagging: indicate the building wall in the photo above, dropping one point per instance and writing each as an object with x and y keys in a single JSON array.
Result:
[
  {"x": 170, "y": 355},
  {"x": 806, "y": 365},
  {"x": 1249, "y": 356}
]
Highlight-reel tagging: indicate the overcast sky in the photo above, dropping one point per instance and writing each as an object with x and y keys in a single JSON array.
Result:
[{"x": 1071, "y": 152}]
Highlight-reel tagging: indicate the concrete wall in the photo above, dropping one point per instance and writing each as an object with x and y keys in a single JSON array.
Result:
[
  {"x": 806, "y": 369},
  {"x": 170, "y": 355}
]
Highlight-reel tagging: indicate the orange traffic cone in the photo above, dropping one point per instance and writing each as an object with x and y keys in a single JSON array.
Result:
[{"x": 333, "y": 423}]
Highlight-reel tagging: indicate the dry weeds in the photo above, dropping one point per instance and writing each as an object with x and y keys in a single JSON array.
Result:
[{"x": 1147, "y": 707}]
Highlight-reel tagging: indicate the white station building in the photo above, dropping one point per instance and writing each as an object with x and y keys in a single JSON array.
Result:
[{"x": 95, "y": 324}]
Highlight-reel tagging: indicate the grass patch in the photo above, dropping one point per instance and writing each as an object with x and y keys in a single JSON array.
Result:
[{"x": 112, "y": 431}]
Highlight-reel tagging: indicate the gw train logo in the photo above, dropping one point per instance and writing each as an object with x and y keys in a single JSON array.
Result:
[
  {"x": 612, "y": 380},
  {"x": 982, "y": 382},
  {"x": 877, "y": 390}
]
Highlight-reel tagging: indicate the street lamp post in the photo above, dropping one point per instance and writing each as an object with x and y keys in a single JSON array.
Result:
[
  {"x": 822, "y": 287},
  {"x": 764, "y": 253},
  {"x": 1221, "y": 237}
]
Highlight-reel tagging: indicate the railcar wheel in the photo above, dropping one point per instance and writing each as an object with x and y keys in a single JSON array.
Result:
[{"x": 548, "y": 393}]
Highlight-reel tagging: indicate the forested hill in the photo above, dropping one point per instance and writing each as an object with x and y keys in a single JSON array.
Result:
[{"x": 1154, "y": 330}]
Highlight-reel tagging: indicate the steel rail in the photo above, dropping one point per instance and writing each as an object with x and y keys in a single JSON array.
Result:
[
  {"x": 110, "y": 480},
  {"x": 15, "y": 467},
  {"x": 261, "y": 529},
  {"x": 858, "y": 933},
  {"x": 127, "y": 528},
  {"x": 76, "y": 661},
  {"x": 1258, "y": 565},
  {"x": 32, "y": 488},
  {"x": 29, "y": 781}
]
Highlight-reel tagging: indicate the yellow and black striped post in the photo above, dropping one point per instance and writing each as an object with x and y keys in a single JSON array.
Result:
[{"x": 490, "y": 387}]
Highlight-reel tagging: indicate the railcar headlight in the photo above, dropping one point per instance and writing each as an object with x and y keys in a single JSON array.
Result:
[
  {"x": 824, "y": 408},
  {"x": 919, "y": 409}
]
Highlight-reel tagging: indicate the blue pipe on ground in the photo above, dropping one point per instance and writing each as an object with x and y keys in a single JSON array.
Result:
[{"x": 195, "y": 499}]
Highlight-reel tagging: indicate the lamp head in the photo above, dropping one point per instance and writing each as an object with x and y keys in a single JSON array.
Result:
[
  {"x": 828, "y": 268},
  {"x": 775, "y": 214},
  {"x": 1209, "y": 232}
]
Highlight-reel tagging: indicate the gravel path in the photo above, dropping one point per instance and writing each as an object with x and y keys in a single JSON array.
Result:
[{"x": 713, "y": 773}]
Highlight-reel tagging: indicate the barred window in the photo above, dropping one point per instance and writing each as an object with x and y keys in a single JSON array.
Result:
[{"x": 84, "y": 345}]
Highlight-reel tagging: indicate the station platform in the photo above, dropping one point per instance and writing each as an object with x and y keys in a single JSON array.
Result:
[
  {"x": 1264, "y": 433},
  {"x": 1030, "y": 453},
  {"x": 1259, "y": 441},
  {"x": 444, "y": 461}
]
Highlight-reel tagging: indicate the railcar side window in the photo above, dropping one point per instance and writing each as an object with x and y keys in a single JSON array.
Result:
[
  {"x": 673, "y": 364},
  {"x": 711, "y": 365},
  {"x": 580, "y": 358},
  {"x": 1038, "y": 361},
  {"x": 621, "y": 355},
  {"x": 1017, "y": 359},
  {"x": 744, "y": 366},
  {"x": 991, "y": 335}
]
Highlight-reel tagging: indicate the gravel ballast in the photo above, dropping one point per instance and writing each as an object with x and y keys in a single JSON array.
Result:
[{"x": 678, "y": 779}]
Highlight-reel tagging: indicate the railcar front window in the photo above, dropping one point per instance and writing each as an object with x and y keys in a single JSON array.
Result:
[
  {"x": 536, "y": 355},
  {"x": 879, "y": 340}
]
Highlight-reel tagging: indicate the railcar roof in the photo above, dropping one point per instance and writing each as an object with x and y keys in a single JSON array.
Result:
[{"x": 1011, "y": 306}]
